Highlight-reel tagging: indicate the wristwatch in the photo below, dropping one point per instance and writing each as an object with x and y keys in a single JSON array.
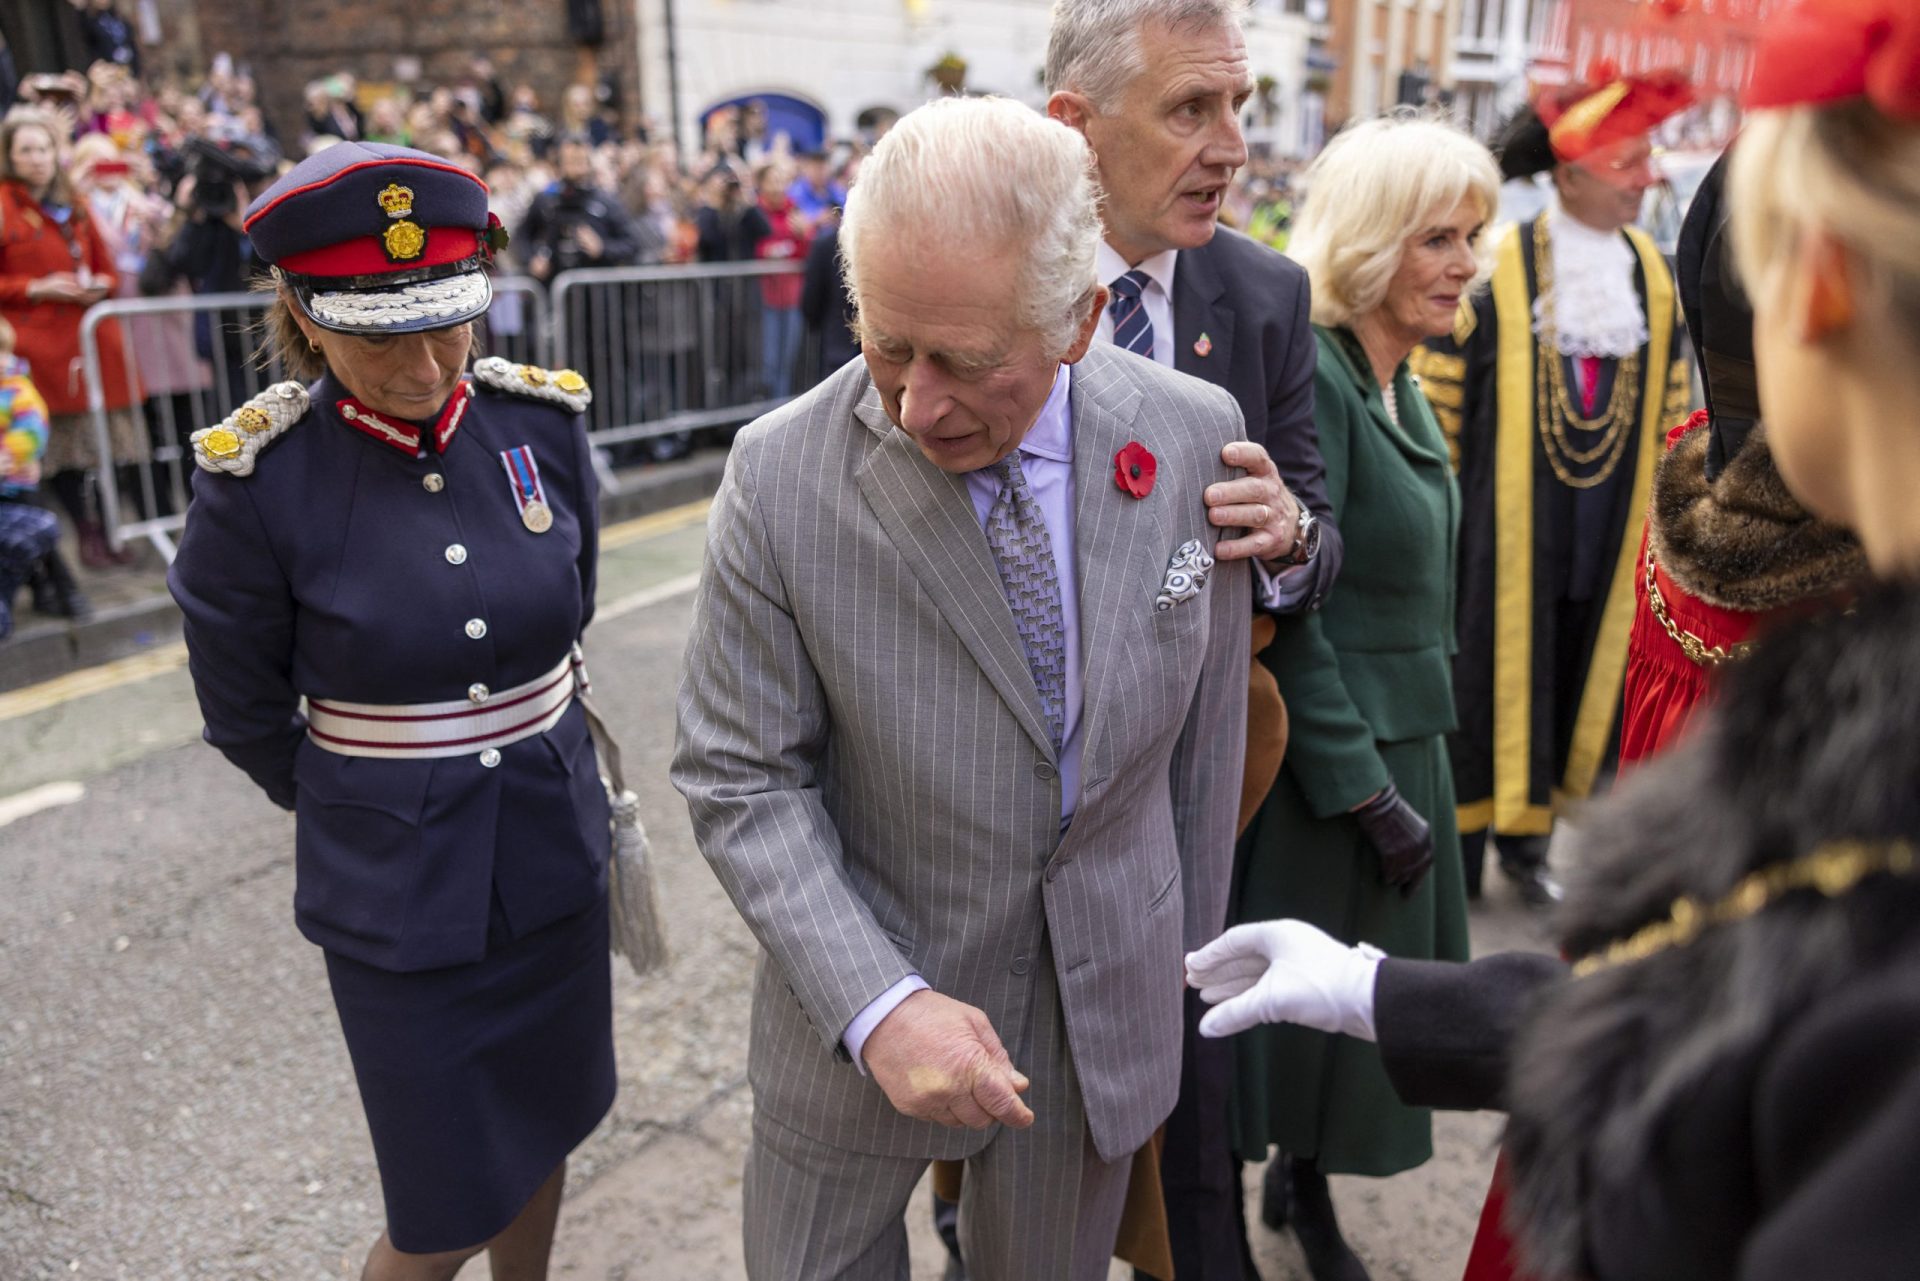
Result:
[{"x": 1306, "y": 539}]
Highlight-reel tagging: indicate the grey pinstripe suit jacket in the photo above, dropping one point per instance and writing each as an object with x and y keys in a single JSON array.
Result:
[{"x": 868, "y": 766}]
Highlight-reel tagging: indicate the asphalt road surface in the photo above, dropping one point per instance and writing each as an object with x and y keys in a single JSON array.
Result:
[{"x": 175, "y": 1099}]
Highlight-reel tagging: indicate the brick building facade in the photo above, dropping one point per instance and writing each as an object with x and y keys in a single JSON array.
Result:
[{"x": 1387, "y": 52}]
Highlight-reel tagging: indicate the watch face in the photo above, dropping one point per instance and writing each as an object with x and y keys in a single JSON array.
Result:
[{"x": 1308, "y": 541}]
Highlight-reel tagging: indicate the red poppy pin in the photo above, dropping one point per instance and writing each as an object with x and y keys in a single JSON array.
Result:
[{"x": 1133, "y": 469}]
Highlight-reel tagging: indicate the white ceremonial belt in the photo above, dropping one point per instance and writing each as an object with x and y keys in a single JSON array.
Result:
[{"x": 458, "y": 727}]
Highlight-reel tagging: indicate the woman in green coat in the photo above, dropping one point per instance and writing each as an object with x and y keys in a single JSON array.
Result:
[{"x": 1357, "y": 835}]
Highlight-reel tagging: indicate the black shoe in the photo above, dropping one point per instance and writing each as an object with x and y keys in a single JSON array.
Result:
[
  {"x": 55, "y": 591},
  {"x": 1318, "y": 1231},
  {"x": 1276, "y": 1192},
  {"x": 1537, "y": 886}
]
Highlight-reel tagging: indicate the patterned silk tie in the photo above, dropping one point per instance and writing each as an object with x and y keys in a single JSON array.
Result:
[
  {"x": 1132, "y": 329},
  {"x": 1017, "y": 536}
]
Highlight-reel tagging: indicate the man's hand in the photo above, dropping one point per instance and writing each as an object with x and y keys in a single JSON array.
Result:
[
  {"x": 939, "y": 1060},
  {"x": 1257, "y": 502},
  {"x": 590, "y": 241}
]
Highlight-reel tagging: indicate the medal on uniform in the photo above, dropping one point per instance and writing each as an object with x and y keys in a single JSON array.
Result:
[{"x": 523, "y": 477}]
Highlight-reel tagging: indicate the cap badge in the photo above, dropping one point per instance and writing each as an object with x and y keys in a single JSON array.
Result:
[
  {"x": 404, "y": 240},
  {"x": 252, "y": 421}
]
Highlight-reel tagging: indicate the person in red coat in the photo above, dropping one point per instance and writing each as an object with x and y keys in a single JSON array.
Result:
[
  {"x": 778, "y": 232},
  {"x": 53, "y": 266}
]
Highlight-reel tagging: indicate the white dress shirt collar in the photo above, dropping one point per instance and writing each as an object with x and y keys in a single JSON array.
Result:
[
  {"x": 1157, "y": 297},
  {"x": 1159, "y": 268}
]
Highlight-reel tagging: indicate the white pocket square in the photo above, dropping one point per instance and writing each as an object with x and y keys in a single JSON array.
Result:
[{"x": 1186, "y": 575}]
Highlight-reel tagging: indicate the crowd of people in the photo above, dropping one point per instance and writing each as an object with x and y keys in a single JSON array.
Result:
[
  {"x": 143, "y": 185},
  {"x": 161, "y": 172}
]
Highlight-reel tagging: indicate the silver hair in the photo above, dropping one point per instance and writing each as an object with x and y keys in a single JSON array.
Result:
[
  {"x": 1377, "y": 183},
  {"x": 1094, "y": 46},
  {"x": 980, "y": 175}
]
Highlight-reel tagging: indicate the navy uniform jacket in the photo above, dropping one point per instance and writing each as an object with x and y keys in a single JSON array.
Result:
[{"x": 327, "y": 573}]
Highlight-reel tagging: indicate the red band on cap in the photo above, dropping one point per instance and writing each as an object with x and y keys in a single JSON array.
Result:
[
  {"x": 367, "y": 255},
  {"x": 332, "y": 178}
]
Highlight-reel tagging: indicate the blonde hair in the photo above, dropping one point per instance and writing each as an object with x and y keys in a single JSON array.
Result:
[
  {"x": 283, "y": 340},
  {"x": 1847, "y": 169},
  {"x": 973, "y": 175},
  {"x": 7, "y": 337},
  {"x": 1377, "y": 183}
]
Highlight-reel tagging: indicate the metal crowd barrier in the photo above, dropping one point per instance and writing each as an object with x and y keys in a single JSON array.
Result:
[
  {"x": 674, "y": 350},
  {"x": 192, "y": 359},
  {"x": 670, "y": 351}
]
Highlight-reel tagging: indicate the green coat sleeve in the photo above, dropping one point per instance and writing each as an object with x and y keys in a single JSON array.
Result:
[{"x": 1331, "y": 752}]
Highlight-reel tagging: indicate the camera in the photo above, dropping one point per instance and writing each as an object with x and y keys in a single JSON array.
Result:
[{"x": 219, "y": 166}]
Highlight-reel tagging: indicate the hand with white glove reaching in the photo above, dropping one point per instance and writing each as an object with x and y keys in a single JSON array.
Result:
[{"x": 1284, "y": 972}]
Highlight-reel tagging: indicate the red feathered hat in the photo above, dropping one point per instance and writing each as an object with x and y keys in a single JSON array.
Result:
[
  {"x": 1609, "y": 109},
  {"x": 1819, "y": 51}
]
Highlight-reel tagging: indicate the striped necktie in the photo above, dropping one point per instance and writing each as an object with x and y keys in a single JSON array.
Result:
[{"x": 1132, "y": 328}]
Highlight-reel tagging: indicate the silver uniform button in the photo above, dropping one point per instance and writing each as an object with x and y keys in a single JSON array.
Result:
[
  {"x": 456, "y": 554},
  {"x": 478, "y": 693},
  {"x": 490, "y": 757},
  {"x": 433, "y": 482},
  {"x": 476, "y": 628}
]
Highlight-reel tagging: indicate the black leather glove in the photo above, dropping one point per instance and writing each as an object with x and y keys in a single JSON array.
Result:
[{"x": 1402, "y": 839}]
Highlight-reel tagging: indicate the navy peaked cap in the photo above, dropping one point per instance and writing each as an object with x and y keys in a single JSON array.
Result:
[{"x": 329, "y": 214}]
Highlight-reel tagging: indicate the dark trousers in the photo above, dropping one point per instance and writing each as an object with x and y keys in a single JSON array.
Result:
[
  {"x": 1517, "y": 854},
  {"x": 1199, "y": 1174}
]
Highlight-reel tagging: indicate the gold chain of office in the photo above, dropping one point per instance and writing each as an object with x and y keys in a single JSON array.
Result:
[
  {"x": 1696, "y": 650},
  {"x": 1555, "y": 411},
  {"x": 1830, "y": 871}
]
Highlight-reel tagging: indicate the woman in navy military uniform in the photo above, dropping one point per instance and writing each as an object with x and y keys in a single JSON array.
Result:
[{"x": 411, "y": 550}]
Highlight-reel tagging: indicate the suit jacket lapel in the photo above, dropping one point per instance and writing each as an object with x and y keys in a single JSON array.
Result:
[
  {"x": 928, "y": 515},
  {"x": 1115, "y": 538},
  {"x": 1198, "y": 289}
]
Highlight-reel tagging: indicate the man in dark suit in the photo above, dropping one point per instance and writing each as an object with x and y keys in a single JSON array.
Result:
[{"x": 1158, "y": 95}]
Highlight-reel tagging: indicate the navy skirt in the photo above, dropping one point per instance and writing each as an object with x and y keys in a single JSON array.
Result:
[{"x": 479, "y": 1079}]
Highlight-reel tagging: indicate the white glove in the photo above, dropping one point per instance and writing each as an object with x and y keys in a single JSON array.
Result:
[{"x": 1284, "y": 972}]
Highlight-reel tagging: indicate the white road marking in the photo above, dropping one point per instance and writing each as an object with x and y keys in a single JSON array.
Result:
[
  {"x": 647, "y": 596},
  {"x": 45, "y": 797}
]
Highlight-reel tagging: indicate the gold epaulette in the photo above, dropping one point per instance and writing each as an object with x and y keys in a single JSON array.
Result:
[
  {"x": 563, "y": 387},
  {"x": 233, "y": 444}
]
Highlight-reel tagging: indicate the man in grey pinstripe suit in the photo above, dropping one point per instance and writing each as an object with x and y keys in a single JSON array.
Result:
[{"x": 962, "y": 724}]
